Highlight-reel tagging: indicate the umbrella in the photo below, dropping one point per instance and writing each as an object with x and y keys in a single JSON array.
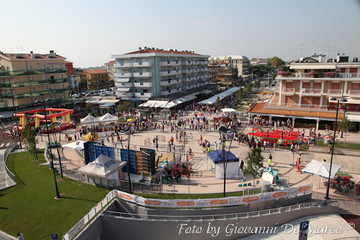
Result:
[{"x": 321, "y": 169}]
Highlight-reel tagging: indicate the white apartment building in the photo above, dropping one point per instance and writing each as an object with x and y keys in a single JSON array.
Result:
[
  {"x": 153, "y": 73},
  {"x": 242, "y": 63}
]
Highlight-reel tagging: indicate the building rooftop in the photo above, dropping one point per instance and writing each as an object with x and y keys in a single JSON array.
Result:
[
  {"x": 31, "y": 55},
  {"x": 111, "y": 62},
  {"x": 156, "y": 50},
  {"x": 95, "y": 71},
  {"x": 259, "y": 108}
]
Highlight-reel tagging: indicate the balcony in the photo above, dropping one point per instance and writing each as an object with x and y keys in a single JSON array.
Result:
[
  {"x": 169, "y": 63},
  {"x": 168, "y": 73},
  {"x": 169, "y": 82},
  {"x": 125, "y": 94},
  {"x": 123, "y": 75},
  {"x": 4, "y": 74},
  {"x": 187, "y": 79},
  {"x": 142, "y": 64},
  {"x": 288, "y": 91},
  {"x": 123, "y": 65},
  {"x": 143, "y": 75},
  {"x": 335, "y": 93},
  {"x": 168, "y": 92},
  {"x": 310, "y": 92},
  {"x": 122, "y": 80},
  {"x": 38, "y": 72},
  {"x": 124, "y": 85},
  {"x": 354, "y": 93},
  {"x": 143, "y": 95},
  {"x": 143, "y": 85}
]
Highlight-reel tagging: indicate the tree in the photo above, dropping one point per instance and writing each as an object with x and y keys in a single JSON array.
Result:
[
  {"x": 29, "y": 136},
  {"x": 254, "y": 162},
  {"x": 240, "y": 95},
  {"x": 345, "y": 125},
  {"x": 248, "y": 90},
  {"x": 125, "y": 106},
  {"x": 218, "y": 103},
  {"x": 83, "y": 83},
  {"x": 257, "y": 84},
  {"x": 276, "y": 62}
]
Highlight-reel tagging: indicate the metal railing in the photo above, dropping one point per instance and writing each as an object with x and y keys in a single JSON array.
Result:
[{"x": 9, "y": 176}]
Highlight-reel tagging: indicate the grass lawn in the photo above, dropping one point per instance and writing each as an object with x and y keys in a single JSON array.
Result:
[
  {"x": 356, "y": 146},
  {"x": 30, "y": 207}
]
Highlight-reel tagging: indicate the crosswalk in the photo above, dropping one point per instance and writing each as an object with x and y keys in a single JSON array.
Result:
[{"x": 4, "y": 145}]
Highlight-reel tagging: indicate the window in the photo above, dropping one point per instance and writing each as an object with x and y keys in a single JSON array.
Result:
[{"x": 30, "y": 68}]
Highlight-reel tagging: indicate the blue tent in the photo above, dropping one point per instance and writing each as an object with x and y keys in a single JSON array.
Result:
[{"x": 217, "y": 156}]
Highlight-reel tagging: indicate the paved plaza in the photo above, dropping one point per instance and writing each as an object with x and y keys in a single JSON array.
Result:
[{"x": 203, "y": 181}]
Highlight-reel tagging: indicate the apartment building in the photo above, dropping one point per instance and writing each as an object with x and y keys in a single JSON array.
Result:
[
  {"x": 27, "y": 77},
  {"x": 306, "y": 93},
  {"x": 96, "y": 78},
  {"x": 157, "y": 73},
  {"x": 242, "y": 63},
  {"x": 223, "y": 73}
]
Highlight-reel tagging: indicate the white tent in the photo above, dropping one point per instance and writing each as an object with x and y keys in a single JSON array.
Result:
[
  {"x": 78, "y": 145},
  {"x": 103, "y": 169},
  {"x": 89, "y": 119},
  {"x": 108, "y": 118},
  {"x": 232, "y": 164},
  {"x": 228, "y": 110},
  {"x": 321, "y": 169}
]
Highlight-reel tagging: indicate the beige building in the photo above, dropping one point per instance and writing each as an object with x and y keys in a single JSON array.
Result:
[
  {"x": 25, "y": 78},
  {"x": 96, "y": 78},
  {"x": 308, "y": 93},
  {"x": 242, "y": 63}
]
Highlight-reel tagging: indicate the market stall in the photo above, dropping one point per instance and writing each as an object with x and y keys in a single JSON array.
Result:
[{"x": 232, "y": 164}]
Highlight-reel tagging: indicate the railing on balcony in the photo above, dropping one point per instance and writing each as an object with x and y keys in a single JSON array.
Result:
[
  {"x": 125, "y": 94},
  {"x": 354, "y": 93},
  {"x": 124, "y": 85},
  {"x": 123, "y": 65},
  {"x": 143, "y": 84},
  {"x": 335, "y": 92},
  {"x": 4, "y": 74},
  {"x": 37, "y": 72},
  {"x": 319, "y": 75},
  {"x": 123, "y": 75},
  {"x": 142, "y": 64},
  {"x": 143, "y": 95},
  {"x": 169, "y": 63},
  {"x": 310, "y": 91},
  {"x": 143, "y": 74},
  {"x": 288, "y": 91}
]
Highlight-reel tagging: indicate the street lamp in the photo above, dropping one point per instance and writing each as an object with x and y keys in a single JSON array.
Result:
[
  {"x": 126, "y": 130},
  {"x": 333, "y": 144},
  {"x": 49, "y": 145}
]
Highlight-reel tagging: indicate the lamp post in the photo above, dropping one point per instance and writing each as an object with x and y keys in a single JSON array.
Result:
[
  {"x": 49, "y": 146},
  {"x": 333, "y": 145},
  {"x": 126, "y": 130}
]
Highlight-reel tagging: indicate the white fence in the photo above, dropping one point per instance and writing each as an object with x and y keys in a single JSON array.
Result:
[
  {"x": 9, "y": 178},
  {"x": 181, "y": 203}
]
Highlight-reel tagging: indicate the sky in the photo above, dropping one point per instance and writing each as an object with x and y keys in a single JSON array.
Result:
[{"x": 88, "y": 32}]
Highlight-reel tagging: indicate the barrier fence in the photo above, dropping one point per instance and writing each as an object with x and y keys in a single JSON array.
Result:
[
  {"x": 9, "y": 176},
  {"x": 181, "y": 203}
]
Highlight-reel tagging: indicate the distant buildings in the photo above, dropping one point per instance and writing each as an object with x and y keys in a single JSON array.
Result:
[
  {"x": 96, "y": 78},
  {"x": 305, "y": 95},
  {"x": 154, "y": 73},
  {"x": 259, "y": 61},
  {"x": 223, "y": 73},
  {"x": 236, "y": 61},
  {"x": 27, "y": 77},
  {"x": 72, "y": 76}
]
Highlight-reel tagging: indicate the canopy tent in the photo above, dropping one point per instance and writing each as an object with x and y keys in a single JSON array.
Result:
[
  {"x": 168, "y": 104},
  {"x": 89, "y": 119},
  {"x": 77, "y": 145},
  {"x": 321, "y": 169},
  {"x": 108, "y": 118},
  {"x": 103, "y": 171},
  {"x": 232, "y": 164},
  {"x": 228, "y": 110},
  {"x": 221, "y": 96}
]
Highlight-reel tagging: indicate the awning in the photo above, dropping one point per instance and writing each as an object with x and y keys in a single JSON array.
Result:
[
  {"x": 353, "y": 118},
  {"x": 106, "y": 105},
  {"x": 190, "y": 97},
  {"x": 221, "y": 96}
]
